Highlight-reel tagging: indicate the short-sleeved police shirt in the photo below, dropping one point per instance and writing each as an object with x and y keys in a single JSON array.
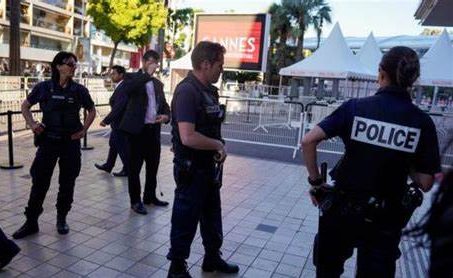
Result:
[
  {"x": 188, "y": 99},
  {"x": 385, "y": 137},
  {"x": 42, "y": 91}
]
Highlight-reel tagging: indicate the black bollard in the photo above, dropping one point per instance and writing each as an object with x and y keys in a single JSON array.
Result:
[
  {"x": 85, "y": 146},
  {"x": 11, "y": 165}
]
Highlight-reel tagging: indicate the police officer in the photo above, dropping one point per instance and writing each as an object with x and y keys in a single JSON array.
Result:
[
  {"x": 197, "y": 142},
  {"x": 387, "y": 139},
  {"x": 57, "y": 138}
]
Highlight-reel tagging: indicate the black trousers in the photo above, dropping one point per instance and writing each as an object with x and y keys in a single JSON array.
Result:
[
  {"x": 144, "y": 147},
  {"x": 67, "y": 153},
  {"x": 340, "y": 233},
  {"x": 118, "y": 145},
  {"x": 197, "y": 200}
]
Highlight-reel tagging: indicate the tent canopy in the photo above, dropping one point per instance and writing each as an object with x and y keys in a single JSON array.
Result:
[
  {"x": 183, "y": 63},
  {"x": 333, "y": 59},
  {"x": 437, "y": 64},
  {"x": 370, "y": 55}
]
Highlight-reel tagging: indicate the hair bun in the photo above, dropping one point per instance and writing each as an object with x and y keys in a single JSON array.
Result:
[{"x": 407, "y": 70}]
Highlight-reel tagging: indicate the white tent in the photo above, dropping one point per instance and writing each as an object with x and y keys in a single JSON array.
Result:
[
  {"x": 370, "y": 55},
  {"x": 183, "y": 63},
  {"x": 179, "y": 69},
  {"x": 333, "y": 59},
  {"x": 437, "y": 64}
]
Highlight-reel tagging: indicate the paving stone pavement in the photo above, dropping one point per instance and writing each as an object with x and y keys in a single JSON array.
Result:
[{"x": 268, "y": 221}]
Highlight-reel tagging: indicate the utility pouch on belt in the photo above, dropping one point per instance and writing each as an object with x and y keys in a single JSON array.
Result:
[
  {"x": 183, "y": 170},
  {"x": 38, "y": 138},
  {"x": 324, "y": 194}
]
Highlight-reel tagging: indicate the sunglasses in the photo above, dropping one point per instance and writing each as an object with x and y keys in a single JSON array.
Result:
[{"x": 72, "y": 65}]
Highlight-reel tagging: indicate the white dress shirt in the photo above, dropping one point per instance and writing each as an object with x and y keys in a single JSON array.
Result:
[{"x": 151, "y": 113}]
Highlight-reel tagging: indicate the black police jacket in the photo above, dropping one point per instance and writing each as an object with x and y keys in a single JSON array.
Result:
[{"x": 385, "y": 137}]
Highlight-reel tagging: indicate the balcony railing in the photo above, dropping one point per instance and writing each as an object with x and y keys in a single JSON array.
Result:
[{"x": 58, "y": 3}]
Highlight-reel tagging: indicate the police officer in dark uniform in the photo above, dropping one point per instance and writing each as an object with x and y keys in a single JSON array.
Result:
[
  {"x": 199, "y": 151},
  {"x": 387, "y": 139},
  {"x": 57, "y": 138}
]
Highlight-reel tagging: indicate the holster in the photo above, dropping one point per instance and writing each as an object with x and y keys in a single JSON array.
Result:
[
  {"x": 37, "y": 139},
  {"x": 218, "y": 174},
  {"x": 183, "y": 171},
  {"x": 326, "y": 196}
]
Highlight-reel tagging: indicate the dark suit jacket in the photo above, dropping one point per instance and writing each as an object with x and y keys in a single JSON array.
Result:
[
  {"x": 135, "y": 87},
  {"x": 118, "y": 102}
]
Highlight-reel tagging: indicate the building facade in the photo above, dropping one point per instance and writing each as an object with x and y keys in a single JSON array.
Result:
[{"x": 49, "y": 26}]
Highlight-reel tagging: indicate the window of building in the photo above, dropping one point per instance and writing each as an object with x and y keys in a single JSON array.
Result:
[
  {"x": 24, "y": 15},
  {"x": 51, "y": 21},
  {"x": 46, "y": 43}
]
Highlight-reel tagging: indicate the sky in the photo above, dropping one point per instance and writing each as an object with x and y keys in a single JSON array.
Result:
[{"x": 357, "y": 18}]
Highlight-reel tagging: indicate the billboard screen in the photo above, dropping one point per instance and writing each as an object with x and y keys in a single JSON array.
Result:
[{"x": 245, "y": 38}]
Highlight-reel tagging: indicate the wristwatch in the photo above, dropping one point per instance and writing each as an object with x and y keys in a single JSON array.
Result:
[{"x": 316, "y": 182}]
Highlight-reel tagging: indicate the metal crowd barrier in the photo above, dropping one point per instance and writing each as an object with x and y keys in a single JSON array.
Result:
[
  {"x": 275, "y": 123},
  {"x": 10, "y": 133},
  {"x": 315, "y": 113}
]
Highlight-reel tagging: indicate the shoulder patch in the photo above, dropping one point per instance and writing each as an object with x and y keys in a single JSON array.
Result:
[{"x": 387, "y": 135}]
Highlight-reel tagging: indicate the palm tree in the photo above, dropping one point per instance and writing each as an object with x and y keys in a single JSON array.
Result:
[
  {"x": 14, "y": 39},
  {"x": 322, "y": 15},
  {"x": 280, "y": 29},
  {"x": 303, "y": 13}
]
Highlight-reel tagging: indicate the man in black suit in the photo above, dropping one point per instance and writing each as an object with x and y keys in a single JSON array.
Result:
[
  {"x": 146, "y": 110},
  {"x": 118, "y": 139}
]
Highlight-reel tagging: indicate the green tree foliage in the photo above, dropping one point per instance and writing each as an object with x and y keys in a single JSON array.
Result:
[
  {"x": 177, "y": 21},
  {"x": 128, "y": 21},
  {"x": 280, "y": 29},
  {"x": 306, "y": 13}
]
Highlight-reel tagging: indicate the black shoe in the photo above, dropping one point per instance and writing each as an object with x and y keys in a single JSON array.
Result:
[
  {"x": 178, "y": 269},
  {"x": 29, "y": 228},
  {"x": 155, "y": 201},
  {"x": 11, "y": 251},
  {"x": 62, "y": 226},
  {"x": 121, "y": 173},
  {"x": 216, "y": 263},
  {"x": 139, "y": 208},
  {"x": 102, "y": 167}
]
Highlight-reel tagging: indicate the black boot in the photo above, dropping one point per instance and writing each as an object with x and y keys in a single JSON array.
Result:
[
  {"x": 30, "y": 227},
  {"x": 214, "y": 262},
  {"x": 11, "y": 251},
  {"x": 62, "y": 227},
  {"x": 178, "y": 269}
]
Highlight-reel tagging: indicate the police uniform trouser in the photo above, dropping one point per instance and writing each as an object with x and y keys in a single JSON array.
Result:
[
  {"x": 196, "y": 200},
  {"x": 339, "y": 234},
  {"x": 144, "y": 147},
  {"x": 67, "y": 153}
]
